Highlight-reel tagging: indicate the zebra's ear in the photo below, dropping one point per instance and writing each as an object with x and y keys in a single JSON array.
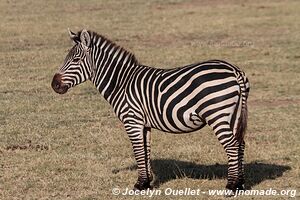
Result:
[
  {"x": 74, "y": 37},
  {"x": 85, "y": 38}
]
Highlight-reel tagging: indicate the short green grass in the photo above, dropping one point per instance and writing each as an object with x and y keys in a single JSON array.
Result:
[{"x": 73, "y": 147}]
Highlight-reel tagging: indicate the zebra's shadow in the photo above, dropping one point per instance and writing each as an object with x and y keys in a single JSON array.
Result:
[{"x": 168, "y": 169}]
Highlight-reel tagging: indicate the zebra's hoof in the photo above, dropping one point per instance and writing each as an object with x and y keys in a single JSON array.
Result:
[
  {"x": 142, "y": 185},
  {"x": 232, "y": 186}
]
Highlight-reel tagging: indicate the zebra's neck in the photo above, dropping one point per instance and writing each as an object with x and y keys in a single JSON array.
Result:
[{"x": 113, "y": 67}]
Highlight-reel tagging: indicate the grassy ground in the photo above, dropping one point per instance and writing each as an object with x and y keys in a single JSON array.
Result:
[{"x": 73, "y": 147}]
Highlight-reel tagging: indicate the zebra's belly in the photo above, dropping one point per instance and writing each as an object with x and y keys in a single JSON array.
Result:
[{"x": 187, "y": 122}]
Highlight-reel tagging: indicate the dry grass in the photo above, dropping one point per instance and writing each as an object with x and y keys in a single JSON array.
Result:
[{"x": 73, "y": 147}]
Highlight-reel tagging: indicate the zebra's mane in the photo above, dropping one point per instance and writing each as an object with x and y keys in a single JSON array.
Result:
[{"x": 95, "y": 37}]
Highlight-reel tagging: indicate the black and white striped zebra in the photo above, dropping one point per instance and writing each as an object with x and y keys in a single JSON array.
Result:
[{"x": 178, "y": 100}]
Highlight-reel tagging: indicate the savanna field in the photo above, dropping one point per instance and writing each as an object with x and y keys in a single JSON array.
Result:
[{"x": 73, "y": 147}]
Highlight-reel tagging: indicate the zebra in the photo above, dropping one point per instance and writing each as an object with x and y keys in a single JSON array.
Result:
[{"x": 178, "y": 100}]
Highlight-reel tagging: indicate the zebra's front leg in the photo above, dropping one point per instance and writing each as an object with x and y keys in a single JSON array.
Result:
[{"x": 140, "y": 139}]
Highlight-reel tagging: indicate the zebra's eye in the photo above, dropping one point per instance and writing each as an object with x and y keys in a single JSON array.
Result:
[{"x": 76, "y": 60}]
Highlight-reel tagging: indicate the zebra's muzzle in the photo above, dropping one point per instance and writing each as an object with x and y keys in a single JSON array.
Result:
[{"x": 58, "y": 86}]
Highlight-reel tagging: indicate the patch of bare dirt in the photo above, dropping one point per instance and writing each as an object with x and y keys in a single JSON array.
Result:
[
  {"x": 192, "y": 38},
  {"x": 274, "y": 103},
  {"x": 157, "y": 39},
  {"x": 192, "y": 4},
  {"x": 27, "y": 146}
]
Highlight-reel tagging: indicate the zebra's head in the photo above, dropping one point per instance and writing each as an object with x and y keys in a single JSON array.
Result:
[{"x": 77, "y": 67}]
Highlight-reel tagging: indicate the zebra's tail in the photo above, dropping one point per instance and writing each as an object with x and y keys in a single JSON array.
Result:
[{"x": 242, "y": 121}]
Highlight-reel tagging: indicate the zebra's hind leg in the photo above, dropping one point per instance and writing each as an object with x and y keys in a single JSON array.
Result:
[
  {"x": 231, "y": 146},
  {"x": 140, "y": 139},
  {"x": 241, "y": 180},
  {"x": 233, "y": 167}
]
